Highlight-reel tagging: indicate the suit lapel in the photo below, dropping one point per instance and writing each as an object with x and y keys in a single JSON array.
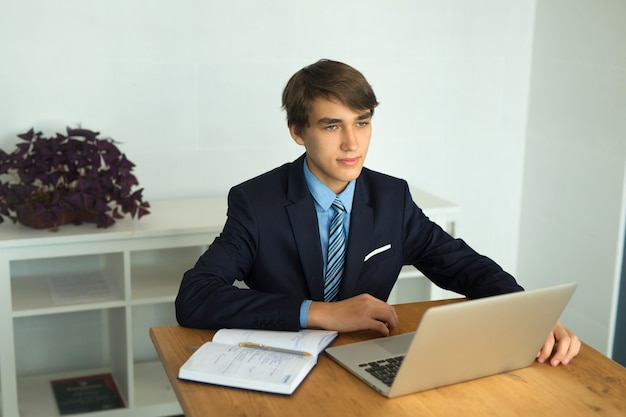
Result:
[
  {"x": 303, "y": 219},
  {"x": 361, "y": 227}
]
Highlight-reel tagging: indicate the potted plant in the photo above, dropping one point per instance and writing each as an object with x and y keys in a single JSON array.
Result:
[{"x": 49, "y": 181}]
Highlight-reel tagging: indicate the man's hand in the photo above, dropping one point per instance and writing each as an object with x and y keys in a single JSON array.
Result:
[
  {"x": 362, "y": 312},
  {"x": 567, "y": 346}
]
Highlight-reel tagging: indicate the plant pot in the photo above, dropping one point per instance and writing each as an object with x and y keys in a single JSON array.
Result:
[{"x": 39, "y": 221}]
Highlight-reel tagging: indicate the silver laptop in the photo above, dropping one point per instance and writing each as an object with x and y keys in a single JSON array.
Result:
[{"x": 458, "y": 342}]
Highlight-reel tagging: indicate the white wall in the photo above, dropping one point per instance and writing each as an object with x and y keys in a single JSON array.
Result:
[
  {"x": 192, "y": 89},
  {"x": 574, "y": 193}
]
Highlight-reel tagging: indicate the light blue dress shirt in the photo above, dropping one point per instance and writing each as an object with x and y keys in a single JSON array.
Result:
[{"x": 324, "y": 197}]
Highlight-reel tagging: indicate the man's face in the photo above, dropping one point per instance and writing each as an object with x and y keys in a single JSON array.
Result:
[{"x": 336, "y": 142}]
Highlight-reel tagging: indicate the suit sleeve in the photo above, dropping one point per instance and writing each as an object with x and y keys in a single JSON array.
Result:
[
  {"x": 207, "y": 299},
  {"x": 448, "y": 262}
]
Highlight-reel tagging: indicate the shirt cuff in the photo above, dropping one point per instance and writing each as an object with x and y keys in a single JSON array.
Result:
[{"x": 304, "y": 312}]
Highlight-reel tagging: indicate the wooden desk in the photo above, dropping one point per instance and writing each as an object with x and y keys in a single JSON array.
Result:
[{"x": 591, "y": 385}]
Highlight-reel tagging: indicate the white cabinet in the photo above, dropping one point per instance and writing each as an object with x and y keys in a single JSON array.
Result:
[
  {"x": 45, "y": 340},
  {"x": 50, "y": 331}
]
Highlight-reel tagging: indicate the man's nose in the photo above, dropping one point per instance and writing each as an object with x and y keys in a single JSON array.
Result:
[{"x": 350, "y": 141}]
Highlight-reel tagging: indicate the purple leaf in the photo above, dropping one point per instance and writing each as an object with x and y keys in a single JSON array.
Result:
[{"x": 79, "y": 171}]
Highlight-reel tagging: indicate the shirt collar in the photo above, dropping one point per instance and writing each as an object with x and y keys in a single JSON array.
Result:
[{"x": 323, "y": 195}]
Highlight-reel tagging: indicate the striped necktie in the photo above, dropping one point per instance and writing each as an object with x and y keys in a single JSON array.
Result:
[{"x": 336, "y": 251}]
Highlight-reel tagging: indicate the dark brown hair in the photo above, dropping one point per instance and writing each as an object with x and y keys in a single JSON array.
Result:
[{"x": 328, "y": 79}]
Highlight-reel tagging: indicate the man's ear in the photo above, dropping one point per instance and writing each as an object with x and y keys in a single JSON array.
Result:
[{"x": 296, "y": 134}]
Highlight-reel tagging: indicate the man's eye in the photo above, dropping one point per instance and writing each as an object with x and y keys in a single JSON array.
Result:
[
  {"x": 362, "y": 124},
  {"x": 330, "y": 128}
]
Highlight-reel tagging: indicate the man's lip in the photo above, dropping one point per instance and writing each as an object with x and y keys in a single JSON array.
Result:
[{"x": 349, "y": 161}]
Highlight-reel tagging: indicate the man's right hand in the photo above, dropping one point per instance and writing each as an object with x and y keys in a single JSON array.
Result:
[{"x": 362, "y": 312}]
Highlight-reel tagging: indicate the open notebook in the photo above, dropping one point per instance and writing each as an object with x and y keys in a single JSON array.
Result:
[{"x": 262, "y": 360}]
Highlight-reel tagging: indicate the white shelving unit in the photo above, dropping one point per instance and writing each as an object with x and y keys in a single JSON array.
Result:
[{"x": 43, "y": 340}]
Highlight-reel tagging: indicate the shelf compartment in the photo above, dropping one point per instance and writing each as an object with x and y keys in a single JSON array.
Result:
[
  {"x": 67, "y": 345},
  {"x": 30, "y": 293},
  {"x": 152, "y": 388},
  {"x": 143, "y": 318},
  {"x": 156, "y": 274},
  {"x": 68, "y": 341},
  {"x": 36, "y": 397}
]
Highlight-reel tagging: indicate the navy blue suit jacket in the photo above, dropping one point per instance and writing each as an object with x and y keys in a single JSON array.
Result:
[{"x": 271, "y": 241}]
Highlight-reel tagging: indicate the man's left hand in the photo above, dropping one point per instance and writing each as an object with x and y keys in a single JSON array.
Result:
[{"x": 567, "y": 346}]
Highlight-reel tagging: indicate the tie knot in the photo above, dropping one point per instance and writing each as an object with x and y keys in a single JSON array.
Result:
[{"x": 338, "y": 205}]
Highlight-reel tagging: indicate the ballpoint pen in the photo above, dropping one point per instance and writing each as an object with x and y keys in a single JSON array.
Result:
[{"x": 273, "y": 349}]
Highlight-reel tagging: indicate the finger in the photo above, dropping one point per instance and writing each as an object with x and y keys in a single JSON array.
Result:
[
  {"x": 559, "y": 354},
  {"x": 573, "y": 350},
  {"x": 389, "y": 317},
  {"x": 380, "y": 327},
  {"x": 546, "y": 349},
  {"x": 568, "y": 347}
]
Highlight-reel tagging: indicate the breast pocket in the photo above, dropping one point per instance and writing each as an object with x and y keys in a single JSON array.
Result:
[{"x": 379, "y": 253}]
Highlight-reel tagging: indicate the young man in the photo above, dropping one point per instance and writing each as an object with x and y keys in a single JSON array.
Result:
[{"x": 281, "y": 230}]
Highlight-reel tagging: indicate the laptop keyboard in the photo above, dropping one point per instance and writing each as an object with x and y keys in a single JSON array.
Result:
[{"x": 384, "y": 370}]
